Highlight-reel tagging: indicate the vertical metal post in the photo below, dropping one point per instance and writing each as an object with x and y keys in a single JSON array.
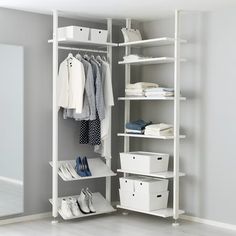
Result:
[
  {"x": 176, "y": 118},
  {"x": 55, "y": 120},
  {"x": 127, "y": 81},
  {"x": 108, "y": 140}
]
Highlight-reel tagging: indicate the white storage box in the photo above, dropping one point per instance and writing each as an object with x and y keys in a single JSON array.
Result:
[
  {"x": 145, "y": 202},
  {"x": 150, "y": 185},
  {"x": 128, "y": 184},
  {"x": 98, "y": 35},
  {"x": 74, "y": 33},
  {"x": 144, "y": 162}
]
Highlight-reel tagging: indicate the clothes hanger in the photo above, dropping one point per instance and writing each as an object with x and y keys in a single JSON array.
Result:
[
  {"x": 86, "y": 56},
  {"x": 98, "y": 58},
  {"x": 93, "y": 58},
  {"x": 104, "y": 59},
  {"x": 70, "y": 56},
  {"x": 78, "y": 56}
]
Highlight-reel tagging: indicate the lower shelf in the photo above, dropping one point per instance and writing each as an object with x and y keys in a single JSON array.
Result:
[
  {"x": 101, "y": 205},
  {"x": 164, "y": 175},
  {"x": 167, "y": 212}
]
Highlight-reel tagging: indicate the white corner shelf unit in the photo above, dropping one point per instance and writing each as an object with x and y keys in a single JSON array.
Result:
[
  {"x": 99, "y": 168},
  {"x": 176, "y": 60}
]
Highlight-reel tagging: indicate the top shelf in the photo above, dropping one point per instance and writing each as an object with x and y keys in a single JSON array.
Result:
[
  {"x": 64, "y": 41},
  {"x": 152, "y": 42}
]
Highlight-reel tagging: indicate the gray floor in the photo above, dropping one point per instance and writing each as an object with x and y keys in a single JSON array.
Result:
[
  {"x": 115, "y": 224},
  {"x": 11, "y": 198}
]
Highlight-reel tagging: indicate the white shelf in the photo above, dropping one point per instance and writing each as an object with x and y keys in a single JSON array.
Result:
[
  {"x": 97, "y": 167},
  {"x": 148, "y": 136},
  {"x": 65, "y": 41},
  {"x": 167, "y": 212},
  {"x": 148, "y": 61},
  {"x": 100, "y": 204},
  {"x": 151, "y": 42},
  {"x": 139, "y": 98},
  {"x": 164, "y": 175}
]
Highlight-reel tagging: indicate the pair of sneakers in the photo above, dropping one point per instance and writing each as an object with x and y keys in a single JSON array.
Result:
[
  {"x": 72, "y": 207},
  {"x": 82, "y": 167},
  {"x": 69, "y": 208},
  {"x": 68, "y": 171}
]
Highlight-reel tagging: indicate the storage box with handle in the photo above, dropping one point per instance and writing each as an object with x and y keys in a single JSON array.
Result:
[
  {"x": 73, "y": 33},
  {"x": 98, "y": 35},
  {"x": 144, "y": 162},
  {"x": 145, "y": 202},
  {"x": 127, "y": 183}
]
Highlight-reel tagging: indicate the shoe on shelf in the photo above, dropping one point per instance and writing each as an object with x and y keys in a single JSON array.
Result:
[
  {"x": 82, "y": 202},
  {"x": 65, "y": 208},
  {"x": 86, "y": 166},
  {"x": 65, "y": 172},
  {"x": 72, "y": 171},
  {"x": 90, "y": 200},
  {"x": 80, "y": 168},
  {"x": 74, "y": 207}
]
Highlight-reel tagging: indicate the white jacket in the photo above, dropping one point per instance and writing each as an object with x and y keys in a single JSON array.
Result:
[{"x": 71, "y": 82}]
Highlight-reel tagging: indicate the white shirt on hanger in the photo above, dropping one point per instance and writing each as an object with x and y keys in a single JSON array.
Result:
[{"x": 71, "y": 82}]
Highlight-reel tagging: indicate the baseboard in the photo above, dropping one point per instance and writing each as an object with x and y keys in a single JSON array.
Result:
[
  {"x": 209, "y": 222},
  {"x": 10, "y": 180},
  {"x": 25, "y": 218}
]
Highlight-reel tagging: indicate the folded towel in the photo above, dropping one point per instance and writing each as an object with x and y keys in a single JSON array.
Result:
[{"x": 141, "y": 85}]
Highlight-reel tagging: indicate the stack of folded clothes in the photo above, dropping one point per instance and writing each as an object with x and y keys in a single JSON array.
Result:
[
  {"x": 136, "y": 127},
  {"x": 134, "y": 57},
  {"x": 159, "y": 130},
  {"x": 138, "y": 89},
  {"x": 159, "y": 92}
]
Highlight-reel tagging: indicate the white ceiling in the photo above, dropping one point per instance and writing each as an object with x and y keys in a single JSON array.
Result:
[{"x": 118, "y": 9}]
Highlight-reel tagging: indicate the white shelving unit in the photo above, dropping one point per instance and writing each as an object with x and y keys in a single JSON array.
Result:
[
  {"x": 98, "y": 167},
  {"x": 139, "y": 98},
  {"x": 176, "y": 60}
]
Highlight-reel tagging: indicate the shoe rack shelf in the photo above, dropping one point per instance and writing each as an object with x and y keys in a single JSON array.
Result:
[
  {"x": 101, "y": 205},
  {"x": 97, "y": 167},
  {"x": 176, "y": 60}
]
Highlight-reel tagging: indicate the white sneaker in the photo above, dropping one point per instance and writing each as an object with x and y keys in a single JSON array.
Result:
[
  {"x": 74, "y": 207},
  {"x": 90, "y": 200},
  {"x": 82, "y": 200},
  {"x": 72, "y": 171},
  {"x": 65, "y": 208}
]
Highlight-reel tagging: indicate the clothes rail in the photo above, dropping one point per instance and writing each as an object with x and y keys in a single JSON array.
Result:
[{"x": 82, "y": 49}]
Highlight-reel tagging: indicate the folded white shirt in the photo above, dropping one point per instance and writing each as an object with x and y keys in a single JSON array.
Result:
[
  {"x": 168, "y": 132},
  {"x": 141, "y": 85},
  {"x": 159, "y": 127},
  {"x": 133, "y": 57}
]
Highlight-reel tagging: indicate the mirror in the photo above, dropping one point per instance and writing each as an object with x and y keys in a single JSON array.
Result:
[{"x": 11, "y": 129}]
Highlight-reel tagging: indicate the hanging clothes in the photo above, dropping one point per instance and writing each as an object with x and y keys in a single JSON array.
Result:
[
  {"x": 89, "y": 108},
  {"x": 90, "y": 130},
  {"x": 109, "y": 102},
  {"x": 71, "y": 82}
]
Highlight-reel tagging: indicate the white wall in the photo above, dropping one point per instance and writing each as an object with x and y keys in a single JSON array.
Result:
[{"x": 207, "y": 117}]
